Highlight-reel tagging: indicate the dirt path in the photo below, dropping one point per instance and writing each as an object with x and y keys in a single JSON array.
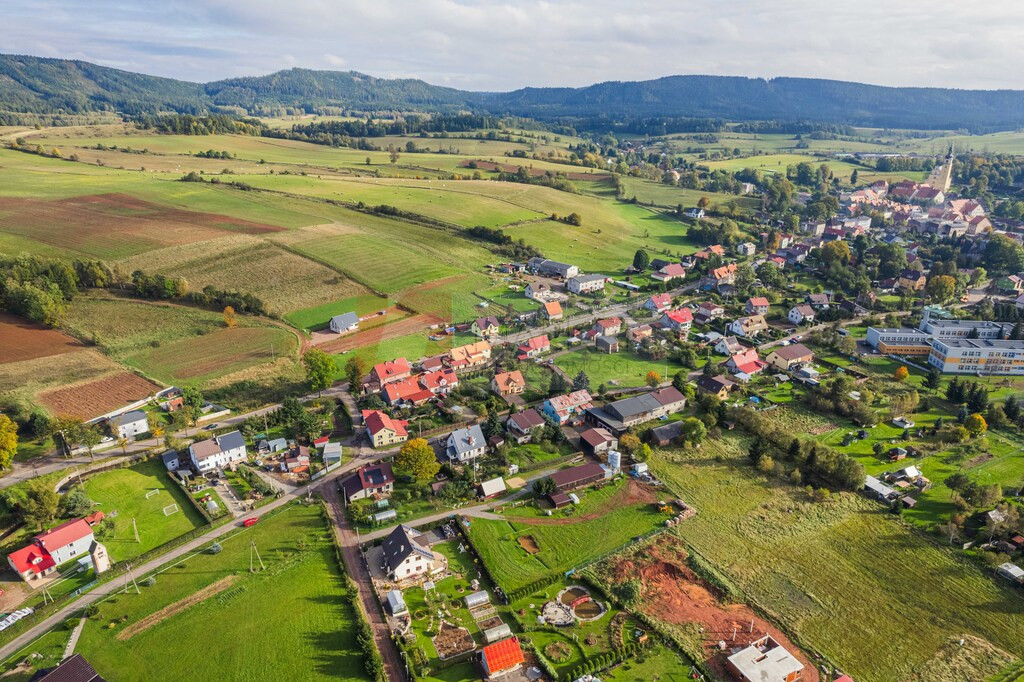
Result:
[
  {"x": 634, "y": 493},
  {"x": 177, "y": 607},
  {"x": 675, "y": 594},
  {"x": 374, "y": 335}
]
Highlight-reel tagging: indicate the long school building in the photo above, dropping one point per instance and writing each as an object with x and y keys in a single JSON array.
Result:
[{"x": 977, "y": 356}]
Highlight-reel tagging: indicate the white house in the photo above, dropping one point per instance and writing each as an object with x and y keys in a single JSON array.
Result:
[
  {"x": 52, "y": 548},
  {"x": 800, "y": 314},
  {"x": 585, "y": 284},
  {"x": 345, "y": 322},
  {"x": 219, "y": 451},
  {"x": 407, "y": 555},
  {"x": 746, "y": 249},
  {"x": 129, "y": 424},
  {"x": 466, "y": 444}
]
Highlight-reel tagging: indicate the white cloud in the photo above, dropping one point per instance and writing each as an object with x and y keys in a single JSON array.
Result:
[{"x": 501, "y": 44}]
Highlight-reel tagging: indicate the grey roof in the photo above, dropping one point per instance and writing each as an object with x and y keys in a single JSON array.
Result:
[
  {"x": 464, "y": 440},
  {"x": 607, "y": 341},
  {"x": 589, "y": 278},
  {"x": 641, "y": 404},
  {"x": 401, "y": 543},
  {"x": 346, "y": 319},
  {"x": 230, "y": 441},
  {"x": 669, "y": 431},
  {"x": 981, "y": 343},
  {"x": 128, "y": 418},
  {"x": 169, "y": 457}
]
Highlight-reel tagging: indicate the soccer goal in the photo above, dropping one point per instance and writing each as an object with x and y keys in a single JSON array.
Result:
[
  {"x": 170, "y": 509},
  {"x": 153, "y": 492}
]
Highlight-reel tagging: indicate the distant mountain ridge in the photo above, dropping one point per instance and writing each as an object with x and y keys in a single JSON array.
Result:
[{"x": 47, "y": 86}]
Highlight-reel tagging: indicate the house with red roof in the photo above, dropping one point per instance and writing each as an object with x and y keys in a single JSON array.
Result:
[
  {"x": 678, "y": 321},
  {"x": 607, "y": 327},
  {"x": 441, "y": 382},
  {"x": 392, "y": 370},
  {"x": 705, "y": 254},
  {"x": 383, "y": 430},
  {"x": 745, "y": 362},
  {"x": 757, "y": 305},
  {"x": 562, "y": 408},
  {"x": 553, "y": 310},
  {"x": 508, "y": 383},
  {"x": 658, "y": 303},
  {"x": 51, "y": 548},
  {"x": 533, "y": 347},
  {"x": 670, "y": 272},
  {"x": 501, "y": 658},
  {"x": 406, "y": 392}
]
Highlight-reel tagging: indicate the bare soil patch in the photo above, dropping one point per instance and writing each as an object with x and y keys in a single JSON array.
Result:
[
  {"x": 174, "y": 609},
  {"x": 115, "y": 224},
  {"x": 978, "y": 459},
  {"x": 676, "y": 595},
  {"x": 22, "y": 340},
  {"x": 99, "y": 396},
  {"x": 452, "y": 641},
  {"x": 375, "y": 334},
  {"x": 528, "y": 543}
]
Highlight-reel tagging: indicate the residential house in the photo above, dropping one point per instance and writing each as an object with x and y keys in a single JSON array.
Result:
[
  {"x": 391, "y": 370},
  {"x": 539, "y": 291},
  {"x": 553, "y": 310},
  {"x": 799, "y": 314},
  {"x": 729, "y": 345},
  {"x": 1011, "y": 572},
  {"x": 609, "y": 326},
  {"x": 695, "y": 213},
  {"x": 508, "y": 383},
  {"x": 383, "y": 430},
  {"x": 670, "y": 272},
  {"x": 296, "y": 460},
  {"x": 501, "y": 658},
  {"x": 407, "y": 392},
  {"x": 622, "y": 414},
  {"x": 51, "y": 548},
  {"x": 345, "y": 322},
  {"x": 129, "y": 424},
  {"x": 598, "y": 441},
  {"x": 788, "y": 357},
  {"x": 748, "y": 327},
  {"x": 658, "y": 303},
  {"x": 492, "y": 488},
  {"x": 716, "y": 386},
  {"x": 764, "y": 660},
  {"x": 586, "y": 284},
  {"x": 705, "y": 254},
  {"x": 485, "y": 326},
  {"x": 639, "y": 332},
  {"x": 578, "y": 476},
  {"x": 370, "y": 480},
  {"x": 607, "y": 344},
  {"x": 853, "y": 308},
  {"x": 550, "y": 268},
  {"x": 818, "y": 301},
  {"x": 913, "y": 280},
  {"x": 407, "y": 555},
  {"x": 708, "y": 311},
  {"x": 678, "y": 321},
  {"x": 439, "y": 382},
  {"x": 72, "y": 669},
  {"x": 563, "y": 408},
  {"x": 533, "y": 347},
  {"x": 470, "y": 355},
  {"x": 757, "y": 305},
  {"x": 746, "y": 249},
  {"x": 466, "y": 444},
  {"x": 745, "y": 362},
  {"x": 217, "y": 452},
  {"x": 521, "y": 425},
  {"x": 721, "y": 276},
  {"x": 170, "y": 460}
]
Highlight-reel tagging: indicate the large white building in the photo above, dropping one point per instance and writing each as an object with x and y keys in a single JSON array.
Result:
[
  {"x": 217, "y": 452},
  {"x": 977, "y": 356},
  {"x": 954, "y": 346}
]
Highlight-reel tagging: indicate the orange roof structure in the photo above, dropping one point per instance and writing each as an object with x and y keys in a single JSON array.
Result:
[{"x": 503, "y": 655}]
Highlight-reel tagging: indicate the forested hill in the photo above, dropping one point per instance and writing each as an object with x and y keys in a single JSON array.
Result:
[{"x": 37, "y": 85}]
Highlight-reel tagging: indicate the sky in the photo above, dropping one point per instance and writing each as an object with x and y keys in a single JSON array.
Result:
[{"x": 502, "y": 45}]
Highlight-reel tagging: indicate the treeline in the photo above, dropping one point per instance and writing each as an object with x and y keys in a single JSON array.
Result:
[
  {"x": 188, "y": 124},
  {"x": 888, "y": 164},
  {"x": 793, "y": 128},
  {"x": 651, "y": 125},
  {"x": 39, "y": 288},
  {"x": 163, "y": 288},
  {"x": 816, "y": 462},
  {"x": 341, "y": 133},
  {"x": 548, "y": 179},
  {"x": 503, "y": 244}
]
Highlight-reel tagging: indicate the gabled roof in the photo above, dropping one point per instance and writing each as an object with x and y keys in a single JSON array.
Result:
[
  {"x": 369, "y": 476},
  {"x": 681, "y": 316},
  {"x": 486, "y": 322},
  {"x": 672, "y": 270},
  {"x": 439, "y": 379},
  {"x": 470, "y": 350},
  {"x": 597, "y": 436},
  {"x": 570, "y": 400},
  {"x": 553, "y": 308},
  {"x": 466, "y": 440},
  {"x": 536, "y": 343},
  {"x": 527, "y": 419},
  {"x": 377, "y": 421},
  {"x": 128, "y": 418},
  {"x": 573, "y": 475},
  {"x": 804, "y": 310},
  {"x": 72, "y": 669},
  {"x": 792, "y": 352},
  {"x": 758, "y": 301},
  {"x": 661, "y": 300},
  {"x": 31, "y": 557},
  {"x": 64, "y": 534},
  {"x": 608, "y": 322},
  {"x": 391, "y": 368},
  {"x": 400, "y": 544},
  {"x": 506, "y": 381},
  {"x": 714, "y": 384},
  {"x": 345, "y": 320}
]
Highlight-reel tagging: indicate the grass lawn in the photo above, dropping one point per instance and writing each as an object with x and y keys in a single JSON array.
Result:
[
  {"x": 124, "y": 491},
  {"x": 561, "y": 546},
  {"x": 621, "y": 369},
  {"x": 318, "y": 317},
  {"x": 847, "y": 556},
  {"x": 298, "y": 603},
  {"x": 662, "y": 663},
  {"x": 649, "y": 191}
]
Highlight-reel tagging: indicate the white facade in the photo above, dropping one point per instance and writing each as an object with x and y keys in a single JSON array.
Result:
[{"x": 72, "y": 550}]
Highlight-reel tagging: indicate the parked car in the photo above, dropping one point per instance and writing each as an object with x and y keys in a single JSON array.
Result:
[
  {"x": 251, "y": 522},
  {"x": 211, "y": 427}
]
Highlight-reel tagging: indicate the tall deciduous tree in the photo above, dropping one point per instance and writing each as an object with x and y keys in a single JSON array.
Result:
[
  {"x": 8, "y": 441},
  {"x": 417, "y": 459},
  {"x": 320, "y": 369},
  {"x": 230, "y": 318}
]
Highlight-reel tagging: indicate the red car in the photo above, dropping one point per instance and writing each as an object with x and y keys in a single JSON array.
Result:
[{"x": 251, "y": 522}]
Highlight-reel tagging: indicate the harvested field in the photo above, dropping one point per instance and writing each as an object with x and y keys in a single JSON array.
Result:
[
  {"x": 962, "y": 658},
  {"x": 536, "y": 172},
  {"x": 382, "y": 330},
  {"x": 674, "y": 594},
  {"x": 114, "y": 225},
  {"x": 212, "y": 355},
  {"x": 285, "y": 281},
  {"x": 93, "y": 398},
  {"x": 177, "y": 607},
  {"x": 528, "y": 543},
  {"x": 21, "y": 340},
  {"x": 28, "y": 377}
]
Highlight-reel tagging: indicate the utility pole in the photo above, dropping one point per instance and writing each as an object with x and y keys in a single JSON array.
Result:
[
  {"x": 128, "y": 576},
  {"x": 135, "y": 527},
  {"x": 252, "y": 551}
]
